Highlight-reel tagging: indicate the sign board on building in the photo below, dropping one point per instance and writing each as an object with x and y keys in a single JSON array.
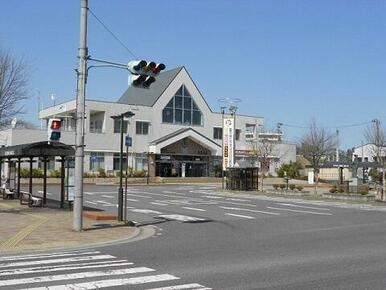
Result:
[{"x": 228, "y": 142}]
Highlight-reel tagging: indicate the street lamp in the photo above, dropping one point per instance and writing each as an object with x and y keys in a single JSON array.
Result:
[{"x": 121, "y": 117}]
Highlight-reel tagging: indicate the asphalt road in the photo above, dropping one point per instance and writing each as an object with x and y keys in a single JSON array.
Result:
[{"x": 197, "y": 237}]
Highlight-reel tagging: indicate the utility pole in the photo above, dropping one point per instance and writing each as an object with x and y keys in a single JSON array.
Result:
[
  {"x": 337, "y": 145},
  {"x": 80, "y": 109}
]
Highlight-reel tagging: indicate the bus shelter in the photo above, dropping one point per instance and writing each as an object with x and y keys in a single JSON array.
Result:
[
  {"x": 44, "y": 151},
  {"x": 238, "y": 178}
]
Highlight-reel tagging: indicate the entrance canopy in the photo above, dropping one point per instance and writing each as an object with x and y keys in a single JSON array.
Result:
[
  {"x": 157, "y": 145},
  {"x": 37, "y": 149}
]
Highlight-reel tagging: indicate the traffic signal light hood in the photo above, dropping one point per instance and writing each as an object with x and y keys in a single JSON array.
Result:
[{"x": 143, "y": 72}]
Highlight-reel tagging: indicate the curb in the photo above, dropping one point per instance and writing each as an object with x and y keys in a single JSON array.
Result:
[{"x": 134, "y": 237}]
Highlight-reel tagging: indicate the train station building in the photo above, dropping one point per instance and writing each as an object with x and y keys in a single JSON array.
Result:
[{"x": 174, "y": 132}]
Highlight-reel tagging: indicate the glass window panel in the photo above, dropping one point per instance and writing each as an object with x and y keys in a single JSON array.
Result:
[
  {"x": 238, "y": 131},
  {"x": 195, "y": 107},
  {"x": 186, "y": 92},
  {"x": 179, "y": 92},
  {"x": 217, "y": 133},
  {"x": 196, "y": 118},
  {"x": 170, "y": 104},
  {"x": 178, "y": 103},
  {"x": 117, "y": 126},
  {"x": 188, "y": 103},
  {"x": 178, "y": 116},
  {"x": 167, "y": 115},
  {"x": 145, "y": 128},
  {"x": 187, "y": 117}
]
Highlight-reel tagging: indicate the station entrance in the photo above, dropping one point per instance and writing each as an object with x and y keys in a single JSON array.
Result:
[{"x": 182, "y": 165}]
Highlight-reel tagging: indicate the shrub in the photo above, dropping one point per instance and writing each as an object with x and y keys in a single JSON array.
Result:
[
  {"x": 340, "y": 189},
  {"x": 363, "y": 189},
  {"x": 55, "y": 173},
  {"x": 24, "y": 172},
  {"x": 102, "y": 173},
  {"x": 139, "y": 173},
  {"x": 292, "y": 186},
  {"x": 291, "y": 169},
  {"x": 332, "y": 190},
  {"x": 299, "y": 187},
  {"x": 275, "y": 186},
  {"x": 282, "y": 186}
]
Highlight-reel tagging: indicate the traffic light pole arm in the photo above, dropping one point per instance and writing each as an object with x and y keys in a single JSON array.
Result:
[{"x": 110, "y": 63}]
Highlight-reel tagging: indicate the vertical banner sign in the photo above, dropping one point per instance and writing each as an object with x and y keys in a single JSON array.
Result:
[{"x": 228, "y": 141}]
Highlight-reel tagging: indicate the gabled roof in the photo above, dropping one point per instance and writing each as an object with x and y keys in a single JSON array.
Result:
[
  {"x": 147, "y": 97},
  {"x": 180, "y": 131}
]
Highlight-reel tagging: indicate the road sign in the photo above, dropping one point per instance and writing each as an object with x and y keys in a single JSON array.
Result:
[{"x": 128, "y": 141}]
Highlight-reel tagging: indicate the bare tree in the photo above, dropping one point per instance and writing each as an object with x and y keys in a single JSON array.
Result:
[
  {"x": 376, "y": 135},
  {"x": 316, "y": 145},
  {"x": 13, "y": 86}
]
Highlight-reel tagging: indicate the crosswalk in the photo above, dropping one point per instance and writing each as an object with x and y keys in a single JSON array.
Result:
[{"x": 79, "y": 270}]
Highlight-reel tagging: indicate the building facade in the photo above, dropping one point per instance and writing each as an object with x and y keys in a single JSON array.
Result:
[{"x": 174, "y": 132}]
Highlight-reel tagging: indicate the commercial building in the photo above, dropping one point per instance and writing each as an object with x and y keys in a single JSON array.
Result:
[{"x": 174, "y": 131}]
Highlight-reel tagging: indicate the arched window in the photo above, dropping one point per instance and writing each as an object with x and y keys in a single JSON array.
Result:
[{"x": 182, "y": 109}]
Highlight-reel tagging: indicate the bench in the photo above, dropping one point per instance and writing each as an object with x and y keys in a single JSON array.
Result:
[
  {"x": 31, "y": 199},
  {"x": 7, "y": 193}
]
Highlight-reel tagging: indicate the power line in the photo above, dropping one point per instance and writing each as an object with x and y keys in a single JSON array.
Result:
[
  {"x": 112, "y": 33},
  {"x": 329, "y": 127}
]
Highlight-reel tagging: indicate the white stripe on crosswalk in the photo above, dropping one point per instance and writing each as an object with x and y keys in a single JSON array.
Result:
[
  {"x": 110, "y": 283},
  {"x": 303, "y": 206},
  {"x": 157, "y": 203},
  {"x": 63, "y": 268},
  {"x": 193, "y": 208},
  {"x": 250, "y": 210},
  {"x": 107, "y": 196},
  {"x": 300, "y": 211},
  {"x": 239, "y": 215},
  {"x": 184, "y": 286},
  {"x": 56, "y": 261},
  {"x": 50, "y": 267},
  {"x": 80, "y": 275},
  {"x": 39, "y": 256}
]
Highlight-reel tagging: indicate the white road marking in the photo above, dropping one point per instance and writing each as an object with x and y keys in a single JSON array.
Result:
[
  {"x": 235, "y": 199},
  {"x": 88, "y": 193},
  {"x": 91, "y": 202},
  {"x": 55, "y": 261},
  {"x": 51, "y": 267},
  {"x": 237, "y": 203},
  {"x": 213, "y": 197},
  {"x": 107, "y": 196},
  {"x": 239, "y": 215},
  {"x": 303, "y": 206},
  {"x": 156, "y": 203},
  {"x": 103, "y": 202},
  {"x": 193, "y": 208},
  {"x": 145, "y": 211},
  {"x": 39, "y": 256},
  {"x": 250, "y": 210},
  {"x": 180, "y": 287},
  {"x": 80, "y": 275},
  {"x": 301, "y": 211},
  {"x": 62, "y": 268},
  {"x": 181, "y": 218},
  {"x": 131, "y": 194},
  {"x": 110, "y": 283}
]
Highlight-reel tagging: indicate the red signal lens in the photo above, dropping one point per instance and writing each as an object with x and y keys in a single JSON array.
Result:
[{"x": 56, "y": 124}]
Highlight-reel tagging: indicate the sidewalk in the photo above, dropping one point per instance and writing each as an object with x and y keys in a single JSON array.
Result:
[{"x": 24, "y": 229}]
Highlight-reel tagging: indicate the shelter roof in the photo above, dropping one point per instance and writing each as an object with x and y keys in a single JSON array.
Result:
[{"x": 37, "y": 149}]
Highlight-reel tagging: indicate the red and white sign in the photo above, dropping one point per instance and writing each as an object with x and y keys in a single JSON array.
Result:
[{"x": 228, "y": 142}]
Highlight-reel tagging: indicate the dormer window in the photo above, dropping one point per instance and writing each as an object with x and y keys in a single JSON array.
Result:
[{"x": 182, "y": 109}]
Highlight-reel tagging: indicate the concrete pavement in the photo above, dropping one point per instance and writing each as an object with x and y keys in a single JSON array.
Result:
[{"x": 25, "y": 229}]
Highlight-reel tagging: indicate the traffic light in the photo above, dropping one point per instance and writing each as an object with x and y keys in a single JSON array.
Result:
[
  {"x": 53, "y": 129},
  {"x": 143, "y": 72}
]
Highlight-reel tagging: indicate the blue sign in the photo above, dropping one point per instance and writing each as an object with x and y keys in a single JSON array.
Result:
[{"x": 128, "y": 141}]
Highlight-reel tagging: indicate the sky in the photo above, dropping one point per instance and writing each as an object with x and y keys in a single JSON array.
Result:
[{"x": 290, "y": 62}]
